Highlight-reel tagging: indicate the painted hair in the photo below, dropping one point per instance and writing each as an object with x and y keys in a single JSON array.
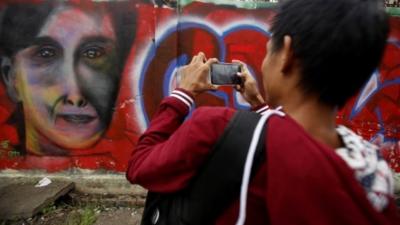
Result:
[{"x": 21, "y": 22}]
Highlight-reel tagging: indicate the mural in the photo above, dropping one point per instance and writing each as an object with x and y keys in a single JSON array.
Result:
[
  {"x": 82, "y": 82},
  {"x": 61, "y": 67}
]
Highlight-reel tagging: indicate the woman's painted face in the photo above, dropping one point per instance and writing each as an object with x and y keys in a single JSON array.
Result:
[{"x": 67, "y": 79}]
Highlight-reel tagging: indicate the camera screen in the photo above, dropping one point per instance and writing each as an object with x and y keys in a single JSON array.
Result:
[{"x": 225, "y": 74}]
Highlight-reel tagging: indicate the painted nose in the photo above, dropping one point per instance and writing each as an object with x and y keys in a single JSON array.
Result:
[
  {"x": 75, "y": 100},
  {"x": 73, "y": 95}
]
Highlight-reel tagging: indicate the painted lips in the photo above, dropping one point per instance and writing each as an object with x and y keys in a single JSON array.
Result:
[{"x": 76, "y": 118}]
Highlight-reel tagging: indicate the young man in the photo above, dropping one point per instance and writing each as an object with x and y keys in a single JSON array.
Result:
[{"x": 320, "y": 54}]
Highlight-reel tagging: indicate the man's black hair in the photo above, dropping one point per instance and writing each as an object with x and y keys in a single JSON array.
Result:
[{"x": 339, "y": 43}]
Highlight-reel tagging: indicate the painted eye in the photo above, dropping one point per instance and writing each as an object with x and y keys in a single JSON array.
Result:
[
  {"x": 94, "y": 52},
  {"x": 46, "y": 52}
]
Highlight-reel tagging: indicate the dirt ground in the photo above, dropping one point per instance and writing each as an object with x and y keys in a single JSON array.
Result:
[{"x": 83, "y": 209}]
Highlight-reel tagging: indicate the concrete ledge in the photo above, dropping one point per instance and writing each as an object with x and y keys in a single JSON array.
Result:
[
  {"x": 95, "y": 182},
  {"x": 86, "y": 181},
  {"x": 23, "y": 201}
]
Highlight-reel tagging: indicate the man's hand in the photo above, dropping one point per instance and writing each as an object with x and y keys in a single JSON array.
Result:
[
  {"x": 249, "y": 88},
  {"x": 195, "y": 76}
]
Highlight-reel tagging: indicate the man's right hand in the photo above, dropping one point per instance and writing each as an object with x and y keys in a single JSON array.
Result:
[{"x": 249, "y": 88}]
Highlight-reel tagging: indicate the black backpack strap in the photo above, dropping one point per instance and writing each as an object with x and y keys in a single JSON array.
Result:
[{"x": 218, "y": 183}]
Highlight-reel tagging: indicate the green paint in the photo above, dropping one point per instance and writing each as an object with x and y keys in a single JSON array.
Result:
[
  {"x": 13, "y": 154},
  {"x": 239, "y": 4},
  {"x": 393, "y": 11},
  {"x": 5, "y": 144},
  {"x": 6, "y": 149}
]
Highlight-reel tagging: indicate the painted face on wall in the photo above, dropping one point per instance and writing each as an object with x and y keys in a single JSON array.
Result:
[{"x": 67, "y": 81}]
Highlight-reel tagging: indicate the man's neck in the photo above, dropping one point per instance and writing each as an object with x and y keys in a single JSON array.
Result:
[{"x": 319, "y": 120}]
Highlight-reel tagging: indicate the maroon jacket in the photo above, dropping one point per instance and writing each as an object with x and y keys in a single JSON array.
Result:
[{"x": 302, "y": 181}]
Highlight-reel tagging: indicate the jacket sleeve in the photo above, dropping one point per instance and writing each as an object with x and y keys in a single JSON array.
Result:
[{"x": 168, "y": 154}]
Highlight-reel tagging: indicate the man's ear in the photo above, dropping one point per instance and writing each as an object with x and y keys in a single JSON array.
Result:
[
  {"x": 8, "y": 76},
  {"x": 287, "y": 56}
]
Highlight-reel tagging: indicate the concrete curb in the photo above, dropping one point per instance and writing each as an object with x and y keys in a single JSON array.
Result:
[
  {"x": 95, "y": 182},
  {"x": 86, "y": 181}
]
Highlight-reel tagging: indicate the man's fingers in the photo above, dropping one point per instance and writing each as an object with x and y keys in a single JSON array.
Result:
[
  {"x": 238, "y": 61},
  {"x": 204, "y": 58},
  {"x": 242, "y": 64},
  {"x": 238, "y": 88},
  {"x": 243, "y": 76},
  {"x": 200, "y": 57},
  {"x": 193, "y": 59},
  {"x": 211, "y": 61}
]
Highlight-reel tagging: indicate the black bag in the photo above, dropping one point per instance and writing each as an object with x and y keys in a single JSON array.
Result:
[{"x": 216, "y": 185}]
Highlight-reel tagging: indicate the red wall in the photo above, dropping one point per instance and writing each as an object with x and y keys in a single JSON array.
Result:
[{"x": 161, "y": 43}]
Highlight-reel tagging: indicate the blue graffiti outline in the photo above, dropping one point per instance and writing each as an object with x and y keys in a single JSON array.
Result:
[
  {"x": 169, "y": 73},
  {"x": 182, "y": 25},
  {"x": 146, "y": 64},
  {"x": 152, "y": 52},
  {"x": 377, "y": 111},
  {"x": 357, "y": 109}
]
